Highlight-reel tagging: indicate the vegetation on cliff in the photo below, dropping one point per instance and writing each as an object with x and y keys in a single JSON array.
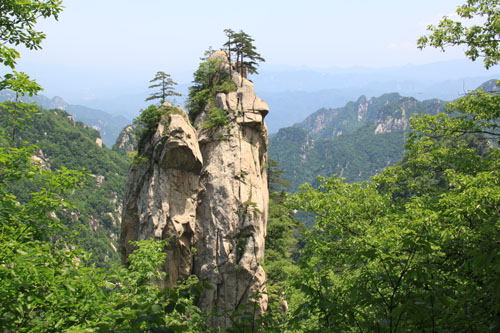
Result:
[
  {"x": 212, "y": 77},
  {"x": 62, "y": 143},
  {"x": 209, "y": 78}
]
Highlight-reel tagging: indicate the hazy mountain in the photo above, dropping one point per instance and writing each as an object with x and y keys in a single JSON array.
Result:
[
  {"x": 292, "y": 93},
  {"x": 354, "y": 142},
  {"x": 108, "y": 125},
  {"x": 290, "y": 107}
]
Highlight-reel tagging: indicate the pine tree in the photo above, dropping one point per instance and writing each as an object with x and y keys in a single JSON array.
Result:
[
  {"x": 246, "y": 57},
  {"x": 163, "y": 81}
]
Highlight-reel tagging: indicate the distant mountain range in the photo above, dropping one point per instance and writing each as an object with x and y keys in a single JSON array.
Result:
[
  {"x": 355, "y": 142},
  {"x": 291, "y": 92},
  {"x": 108, "y": 125}
]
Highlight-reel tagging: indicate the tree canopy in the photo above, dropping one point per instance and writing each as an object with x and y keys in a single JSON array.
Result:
[
  {"x": 416, "y": 248},
  {"x": 17, "y": 26},
  {"x": 481, "y": 41}
]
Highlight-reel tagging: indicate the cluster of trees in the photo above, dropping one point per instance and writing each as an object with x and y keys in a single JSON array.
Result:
[
  {"x": 242, "y": 52},
  {"x": 416, "y": 248}
]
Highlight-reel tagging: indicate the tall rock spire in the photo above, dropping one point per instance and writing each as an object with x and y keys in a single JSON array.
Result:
[
  {"x": 206, "y": 190},
  {"x": 233, "y": 201}
]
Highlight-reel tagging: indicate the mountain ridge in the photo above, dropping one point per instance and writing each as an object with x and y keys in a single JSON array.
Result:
[
  {"x": 108, "y": 125},
  {"x": 354, "y": 142}
]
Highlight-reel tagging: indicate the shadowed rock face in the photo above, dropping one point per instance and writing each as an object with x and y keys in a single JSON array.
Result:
[
  {"x": 207, "y": 189},
  {"x": 161, "y": 194}
]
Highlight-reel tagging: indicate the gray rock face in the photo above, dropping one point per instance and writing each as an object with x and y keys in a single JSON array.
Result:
[
  {"x": 233, "y": 204},
  {"x": 207, "y": 189},
  {"x": 160, "y": 197},
  {"x": 126, "y": 141}
]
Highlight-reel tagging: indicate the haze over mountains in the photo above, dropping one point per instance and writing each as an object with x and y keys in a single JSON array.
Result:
[
  {"x": 292, "y": 93},
  {"x": 108, "y": 125},
  {"x": 355, "y": 142}
]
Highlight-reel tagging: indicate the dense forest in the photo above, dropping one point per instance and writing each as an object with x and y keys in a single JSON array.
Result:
[{"x": 414, "y": 248}]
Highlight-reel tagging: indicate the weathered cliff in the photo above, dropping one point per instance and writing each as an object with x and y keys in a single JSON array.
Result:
[
  {"x": 160, "y": 198},
  {"x": 126, "y": 141},
  {"x": 233, "y": 202},
  {"x": 205, "y": 188}
]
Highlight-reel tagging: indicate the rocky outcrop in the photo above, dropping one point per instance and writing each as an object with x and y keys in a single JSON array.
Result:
[
  {"x": 390, "y": 123},
  {"x": 161, "y": 194},
  {"x": 39, "y": 158},
  {"x": 206, "y": 189},
  {"x": 126, "y": 141},
  {"x": 233, "y": 203},
  {"x": 98, "y": 142}
]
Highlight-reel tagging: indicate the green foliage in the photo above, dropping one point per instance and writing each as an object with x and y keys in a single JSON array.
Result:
[
  {"x": 46, "y": 288},
  {"x": 481, "y": 41},
  {"x": 42, "y": 285},
  {"x": 414, "y": 249},
  {"x": 146, "y": 123},
  {"x": 138, "y": 160},
  {"x": 215, "y": 118},
  {"x": 16, "y": 115},
  {"x": 18, "y": 19},
  {"x": 281, "y": 244},
  {"x": 61, "y": 143},
  {"x": 166, "y": 85},
  {"x": 209, "y": 79},
  {"x": 240, "y": 44},
  {"x": 17, "y": 27},
  {"x": 138, "y": 303},
  {"x": 355, "y": 156}
]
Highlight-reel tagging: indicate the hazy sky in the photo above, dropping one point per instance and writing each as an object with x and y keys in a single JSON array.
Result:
[
  {"x": 126, "y": 38},
  {"x": 174, "y": 34}
]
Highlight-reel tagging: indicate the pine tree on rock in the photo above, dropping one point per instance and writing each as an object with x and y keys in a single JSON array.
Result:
[
  {"x": 241, "y": 45},
  {"x": 163, "y": 81}
]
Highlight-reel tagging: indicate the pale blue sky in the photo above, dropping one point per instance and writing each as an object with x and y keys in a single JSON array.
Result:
[
  {"x": 174, "y": 34},
  {"x": 98, "y": 44}
]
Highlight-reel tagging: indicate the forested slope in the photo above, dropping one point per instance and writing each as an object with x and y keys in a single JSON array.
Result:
[
  {"x": 62, "y": 142},
  {"x": 354, "y": 142}
]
